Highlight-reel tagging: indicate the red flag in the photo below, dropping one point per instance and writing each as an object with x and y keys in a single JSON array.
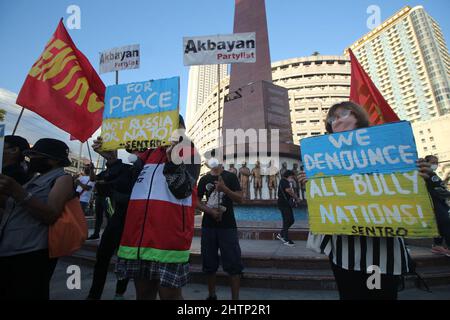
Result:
[
  {"x": 364, "y": 92},
  {"x": 63, "y": 87}
]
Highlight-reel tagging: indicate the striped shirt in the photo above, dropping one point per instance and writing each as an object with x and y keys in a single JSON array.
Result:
[{"x": 357, "y": 253}]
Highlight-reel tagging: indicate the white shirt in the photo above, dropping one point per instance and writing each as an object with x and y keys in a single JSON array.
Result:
[{"x": 85, "y": 194}]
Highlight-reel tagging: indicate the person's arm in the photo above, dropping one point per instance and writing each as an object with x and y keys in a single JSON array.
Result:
[
  {"x": 235, "y": 196},
  {"x": 291, "y": 192},
  {"x": 302, "y": 178},
  {"x": 181, "y": 178},
  {"x": 201, "y": 205},
  {"x": 110, "y": 156},
  {"x": 48, "y": 212},
  {"x": 85, "y": 187},
  {"x": 213, "y": 212}
]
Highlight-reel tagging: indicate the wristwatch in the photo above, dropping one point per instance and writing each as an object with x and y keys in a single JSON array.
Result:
[{"x": 26, "y": 199}]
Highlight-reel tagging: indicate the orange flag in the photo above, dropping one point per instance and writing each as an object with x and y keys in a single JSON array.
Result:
[
  {"x": 364, "y": 92},
  {"x": 64, "y": 88}
]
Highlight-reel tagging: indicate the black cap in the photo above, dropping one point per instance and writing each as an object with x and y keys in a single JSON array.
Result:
[
  {"x": 17, "y": 141},
  {"x": 51, "y": 148}
]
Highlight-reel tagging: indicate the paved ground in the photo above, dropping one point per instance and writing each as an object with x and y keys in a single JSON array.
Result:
[{"x": 59, "y": 290}]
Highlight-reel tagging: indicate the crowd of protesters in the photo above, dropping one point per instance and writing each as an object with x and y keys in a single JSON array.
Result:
[{"x": 149, "y": 206}]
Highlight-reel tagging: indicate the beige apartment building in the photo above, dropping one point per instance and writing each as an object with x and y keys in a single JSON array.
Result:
[{"x": 408, "y": 60}]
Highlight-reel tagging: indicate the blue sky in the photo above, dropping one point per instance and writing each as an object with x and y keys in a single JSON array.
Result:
[{"x": 296, "y": 28}]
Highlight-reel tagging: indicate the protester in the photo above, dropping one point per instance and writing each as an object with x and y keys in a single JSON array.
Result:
[
  {"x": 13, "y": 163},
  {"x": 102, "y": 204},
  {"x": 219, "y": 229},
  {"x": 439, "y": 194},
  {"x": 287, "y": 199},
  {"x": 351, "y": 255},
  {"x": 84, "y": 188},
  {"x": 25, "y": 266},
  {"x": 154, "y": 249},
  {"x": 113, "y": 185}
]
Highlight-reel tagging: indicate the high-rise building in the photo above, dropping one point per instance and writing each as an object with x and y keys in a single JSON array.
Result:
[
  {"x": 314, "y": 84},
  {"x": 202, "y": 81},
  {"x": 408, "y": 60}
]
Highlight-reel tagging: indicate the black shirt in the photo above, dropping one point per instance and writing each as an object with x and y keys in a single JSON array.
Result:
[
  {"x": 206, "y": 187},
  {"x": 116, "y": 182},
  {"x": 283, "y": 196}
]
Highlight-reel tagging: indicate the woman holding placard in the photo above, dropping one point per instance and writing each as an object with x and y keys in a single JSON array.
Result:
[{"x": 354, "y": 259}]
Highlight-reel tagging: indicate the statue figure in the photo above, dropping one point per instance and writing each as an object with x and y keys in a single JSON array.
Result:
[
  {"x": 233, "y": 169},
  {"x": 257, "y": 180},
  {"x": 272, "y": 182},
  {"x": 244, "y": 176}
]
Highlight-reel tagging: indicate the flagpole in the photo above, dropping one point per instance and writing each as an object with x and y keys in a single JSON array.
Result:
[
  {"x": 89, "y": 150},
  {"x": 79, "y": 159},
  {"x": 218, "y": 108},
  {"x": 117, "y": 82},
  {"x": 18, "y": 120}
]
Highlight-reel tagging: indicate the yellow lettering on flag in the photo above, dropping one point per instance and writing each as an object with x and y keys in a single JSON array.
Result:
[{"x": 53, "y": 62}]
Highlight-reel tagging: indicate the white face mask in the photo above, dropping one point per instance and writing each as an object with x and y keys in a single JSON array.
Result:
[
  {"x": 434, "y": 167},
  {"x": 132, "y": 158}
]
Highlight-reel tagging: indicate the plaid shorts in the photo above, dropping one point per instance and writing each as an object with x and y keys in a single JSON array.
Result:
[{"x": 170, "y": 275}]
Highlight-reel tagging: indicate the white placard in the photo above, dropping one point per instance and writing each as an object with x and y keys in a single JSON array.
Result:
[
  {"x": 220, "y": 49},
  {"x": 127, "y": 57}
]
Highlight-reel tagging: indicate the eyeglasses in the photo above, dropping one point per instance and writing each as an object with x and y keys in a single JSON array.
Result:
[{"x": 341, "y": 115}]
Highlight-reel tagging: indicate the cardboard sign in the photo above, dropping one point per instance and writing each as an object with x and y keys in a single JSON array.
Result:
[
  {"x": 140, "y": 114},
  {"x": 365, "y": 182}
]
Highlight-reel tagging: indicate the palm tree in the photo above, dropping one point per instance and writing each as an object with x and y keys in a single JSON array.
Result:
[
  {"x": 2, "y": 114},
  {"x": 316, "y": 53}
]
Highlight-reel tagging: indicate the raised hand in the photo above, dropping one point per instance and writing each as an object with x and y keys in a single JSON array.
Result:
[
  {"x": 97, "y": 147},
  {"x": 424, "y": 168},
  {"x": 302, "y": 178},
  {"x": 220, "y": 185}
]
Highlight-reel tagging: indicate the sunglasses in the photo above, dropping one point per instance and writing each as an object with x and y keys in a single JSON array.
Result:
[{"x": 339, "y": 115}]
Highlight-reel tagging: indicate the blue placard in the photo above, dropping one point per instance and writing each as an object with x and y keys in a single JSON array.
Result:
[
  {"x": 379, "y": 149},
  {"x": 141, "y": 98}
]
